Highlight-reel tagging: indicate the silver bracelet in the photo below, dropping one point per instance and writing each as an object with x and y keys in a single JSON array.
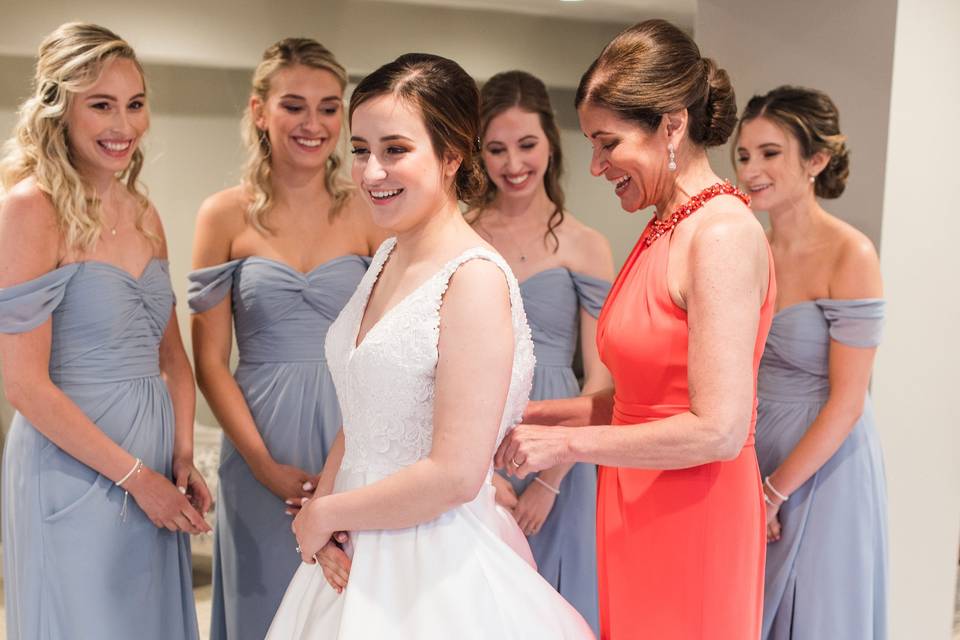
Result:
[
  {"x": 552, "y": 489},
  {"x": 137, "y": 466},
  {"x": 767, "y": 499},
  {"x": 773, "y": 490}
]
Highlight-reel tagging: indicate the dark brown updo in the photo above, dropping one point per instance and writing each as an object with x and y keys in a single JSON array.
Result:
[
  {"x": 527, "y": 92},
  {"x": 812, "y": 118},
  {"x": 449, "y": 101},
  {"x": 654, "y": 68}
]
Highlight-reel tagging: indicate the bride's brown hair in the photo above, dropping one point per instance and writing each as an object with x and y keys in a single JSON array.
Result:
[{"x": 449, "y": 101}]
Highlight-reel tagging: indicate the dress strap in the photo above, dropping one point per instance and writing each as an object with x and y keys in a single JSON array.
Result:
[
  {"x": 479, "y": 253},
  {"x": 208, "y": 286},
  {"x": 523, "y": 353},
  {"x": 592, "y": 292},
  {"x": 856, "y": 322},
  {"x": 26, "y": 306}
]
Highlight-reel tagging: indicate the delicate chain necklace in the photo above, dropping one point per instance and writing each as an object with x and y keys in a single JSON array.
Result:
[
  {"x": 520, "y": 249},
  {"x": 660, "y": 228},
  {"x": 113, "y": 229}
]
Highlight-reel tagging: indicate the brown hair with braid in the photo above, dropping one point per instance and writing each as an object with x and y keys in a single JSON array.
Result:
[
  {"x": 528, "y": 93},
  {"x": 284, "y": 54}
]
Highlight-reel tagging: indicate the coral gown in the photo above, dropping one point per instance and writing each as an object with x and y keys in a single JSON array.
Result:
[{"x": 681, "y": 552}]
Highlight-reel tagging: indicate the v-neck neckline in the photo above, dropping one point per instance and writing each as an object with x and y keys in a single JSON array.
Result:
[{"x": 357, "y": 342}]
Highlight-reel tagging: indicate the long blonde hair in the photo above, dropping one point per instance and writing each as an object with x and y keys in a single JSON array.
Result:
[
  {"x": 257, "y": 174},
  {"x": 70, "y": 60}
]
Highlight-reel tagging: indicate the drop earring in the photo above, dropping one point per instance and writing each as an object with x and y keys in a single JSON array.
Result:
[{"x": 672, "y": 162}]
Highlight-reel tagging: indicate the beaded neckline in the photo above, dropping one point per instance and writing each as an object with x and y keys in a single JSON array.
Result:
[{"x": 660, "y": 228}]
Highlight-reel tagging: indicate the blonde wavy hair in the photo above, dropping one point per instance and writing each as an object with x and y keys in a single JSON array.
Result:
[
  {"x": 70, "y": 61},
  {"x": 257, "y": 175}
]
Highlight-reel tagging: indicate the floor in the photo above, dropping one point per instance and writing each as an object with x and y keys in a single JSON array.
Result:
[{"x": 201, "y": 576}]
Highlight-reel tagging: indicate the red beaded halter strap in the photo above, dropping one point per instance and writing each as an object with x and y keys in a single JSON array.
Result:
[{"x": 661, "y": 227}]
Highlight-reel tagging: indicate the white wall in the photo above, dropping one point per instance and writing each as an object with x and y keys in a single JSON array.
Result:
[{"x": 915, "y": 382}]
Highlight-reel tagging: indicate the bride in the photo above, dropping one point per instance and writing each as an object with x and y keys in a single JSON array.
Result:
[{"x": 433, "y": 362}]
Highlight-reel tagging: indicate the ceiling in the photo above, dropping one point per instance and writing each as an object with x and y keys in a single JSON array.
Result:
[{"x": 621, "y": 11}]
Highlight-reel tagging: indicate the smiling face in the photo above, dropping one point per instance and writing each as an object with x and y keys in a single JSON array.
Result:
[
  {"x": 302, "y": 116},
  {"x": 106, "y": 122},
  {"x": 516, "y": 152},
  {"x": 770, "y": 167},
  {"x": 633, "y": 159},
  {"x": 396, "y": 166}
]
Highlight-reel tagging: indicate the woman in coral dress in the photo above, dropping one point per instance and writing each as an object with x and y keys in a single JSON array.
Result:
[{"x": 680, "y": 520}]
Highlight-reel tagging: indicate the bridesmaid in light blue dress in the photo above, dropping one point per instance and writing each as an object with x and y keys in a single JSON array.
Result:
[
  {"x": 817, "y": 444},
  {"x": 95, "y": 538},
  {"x": 278, "y": 256},
  {"x": 565, "y": 269}
]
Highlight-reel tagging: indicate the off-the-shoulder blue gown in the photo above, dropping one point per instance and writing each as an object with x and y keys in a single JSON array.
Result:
[
  {"x": 74, "y": 564},
  {"x": 827, "y": 575},
  {"x": 281, "y": 318}
]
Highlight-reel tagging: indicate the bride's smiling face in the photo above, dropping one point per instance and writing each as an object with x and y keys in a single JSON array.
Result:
[{"x": 396, "y": 166}]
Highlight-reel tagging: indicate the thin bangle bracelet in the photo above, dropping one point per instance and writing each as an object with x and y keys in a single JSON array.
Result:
[
  {"x": 136, "y": 467},
  {"x": 552, "y": 489},
  {"x": 774, "y": 491}
]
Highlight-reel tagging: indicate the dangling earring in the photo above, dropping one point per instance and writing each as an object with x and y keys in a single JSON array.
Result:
[{"x": 672, "y": 163}]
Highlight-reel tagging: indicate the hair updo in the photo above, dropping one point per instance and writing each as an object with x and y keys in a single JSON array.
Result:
[
  {"x": 449, "y": 101},
  {"x": 812, "y": 118},
  {"x": 654, "y": 68}
]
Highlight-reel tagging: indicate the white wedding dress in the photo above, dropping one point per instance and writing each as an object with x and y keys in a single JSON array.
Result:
[{"x": 465, "y": 575}]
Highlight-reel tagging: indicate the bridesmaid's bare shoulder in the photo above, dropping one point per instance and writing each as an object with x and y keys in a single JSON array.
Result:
[
  {"x": 856, "y": 265},
  {"x": 586, "y": 250},
  {"x": 30, "y": 238},
  {"x": 220, "y": 219}
]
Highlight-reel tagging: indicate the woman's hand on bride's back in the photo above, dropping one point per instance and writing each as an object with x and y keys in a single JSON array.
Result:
[{"x": 506, "y": 497}]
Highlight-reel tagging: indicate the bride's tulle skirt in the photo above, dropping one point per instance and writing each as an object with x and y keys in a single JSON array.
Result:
[{"x": 467, "y": 575}]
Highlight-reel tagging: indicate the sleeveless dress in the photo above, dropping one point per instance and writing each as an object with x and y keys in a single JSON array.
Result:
[
  {"x": 281, "y": 317},
  {"x": 680, "y": 551},
  {"x": 827, "y": 575},
  {"x": 461, "y": 575},
  {"x": 75, "y": 563},
  {"x": 565, "y": 547}
]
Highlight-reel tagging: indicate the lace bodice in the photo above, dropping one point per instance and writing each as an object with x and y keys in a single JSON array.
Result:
[{"x": 385, "y": 386}]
